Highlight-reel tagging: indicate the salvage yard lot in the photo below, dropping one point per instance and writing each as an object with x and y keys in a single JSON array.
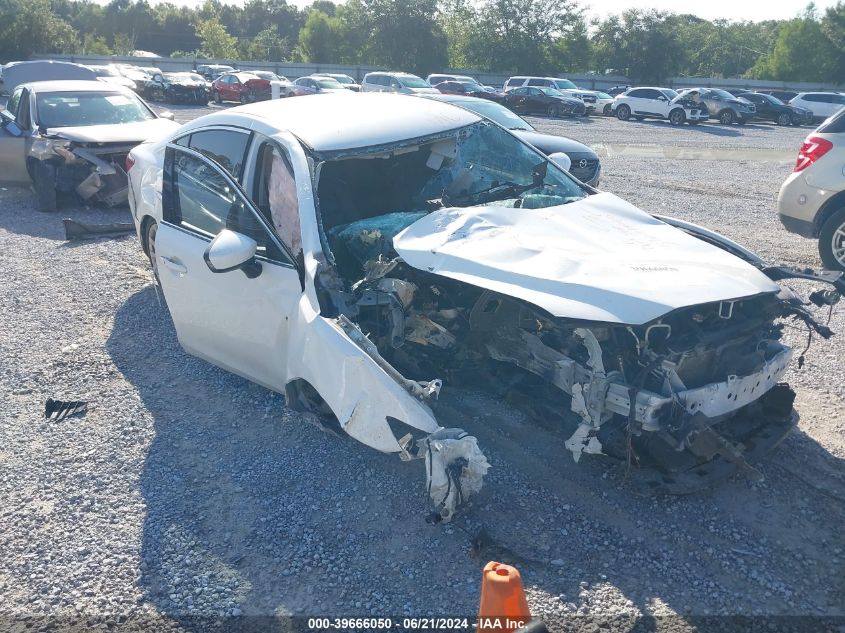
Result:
[{"x": 188, "y": 491}]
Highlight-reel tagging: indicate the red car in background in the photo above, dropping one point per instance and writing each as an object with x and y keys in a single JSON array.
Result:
[
  {"x": 242, "y": 87},
  {"x": 469, "y": 89}
]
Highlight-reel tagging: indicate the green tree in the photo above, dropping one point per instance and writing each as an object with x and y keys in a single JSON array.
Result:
[
  {"x": 94, "y": 45},
  {"x": 215, "y": 41},
  {"x": 644, "y": 44},
  {"x": 30, "y": 26},
  {"x": 318, "y": 38},
  {"x": 801, "y": 52},
  {"x": 266, "y": 46}
]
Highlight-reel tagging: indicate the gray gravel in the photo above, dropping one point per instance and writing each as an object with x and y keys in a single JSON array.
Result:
[{"x": 188, "y": 491}]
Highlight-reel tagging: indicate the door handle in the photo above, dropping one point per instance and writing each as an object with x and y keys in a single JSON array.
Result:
[{"x": 174, "y": 264}]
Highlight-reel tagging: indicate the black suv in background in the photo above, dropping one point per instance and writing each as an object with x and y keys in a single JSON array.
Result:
[{"x": 773, "y": 109}]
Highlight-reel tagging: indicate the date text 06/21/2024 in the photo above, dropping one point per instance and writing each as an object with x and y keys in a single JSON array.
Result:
[{"x": 415, "y": 624}]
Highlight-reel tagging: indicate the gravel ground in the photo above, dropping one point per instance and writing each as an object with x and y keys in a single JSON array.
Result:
[{"x": 186, "y": 491}]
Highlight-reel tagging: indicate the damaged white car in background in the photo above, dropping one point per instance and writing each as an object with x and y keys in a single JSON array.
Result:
[
  {"x": 361, "y": 253},
  {"x": 72, "y": 137}
]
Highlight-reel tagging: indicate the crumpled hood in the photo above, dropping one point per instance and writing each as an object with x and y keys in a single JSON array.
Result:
[
  {"x": 117, "y": 133},
  {"x": 597, "y": 259}
]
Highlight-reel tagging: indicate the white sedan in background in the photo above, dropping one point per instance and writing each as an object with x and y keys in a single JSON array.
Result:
[{"x": 360, "y": 252}]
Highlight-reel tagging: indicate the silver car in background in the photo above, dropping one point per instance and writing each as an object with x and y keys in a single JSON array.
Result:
[{"x": 73, "y": 137}]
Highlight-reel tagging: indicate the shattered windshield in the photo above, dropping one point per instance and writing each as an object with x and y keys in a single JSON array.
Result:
[
  {"x": 478, "y": 165},
  {"x": 71, "y": 109}
]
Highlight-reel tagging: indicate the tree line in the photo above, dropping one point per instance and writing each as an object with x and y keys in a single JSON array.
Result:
[{"x": 520, "y": 36}]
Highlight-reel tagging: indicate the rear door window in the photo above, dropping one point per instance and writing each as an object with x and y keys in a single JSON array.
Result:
[{"x": 227, "y": 148}]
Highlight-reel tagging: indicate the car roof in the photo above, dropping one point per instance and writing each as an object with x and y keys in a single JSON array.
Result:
[
  {"x": 74, "y": 86},
  {"x": 348, "y": 120}
]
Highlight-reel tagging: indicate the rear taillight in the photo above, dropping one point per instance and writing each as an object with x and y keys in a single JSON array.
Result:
[
  {"x": 129, "y": 162},
  {"x": 814, "y": 148}
]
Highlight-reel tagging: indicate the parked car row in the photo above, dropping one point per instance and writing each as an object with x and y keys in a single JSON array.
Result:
[{"x": 695, "y": 105}]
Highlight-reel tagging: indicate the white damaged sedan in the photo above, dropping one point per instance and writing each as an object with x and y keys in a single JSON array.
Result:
[{"x": 359, "y": 253}]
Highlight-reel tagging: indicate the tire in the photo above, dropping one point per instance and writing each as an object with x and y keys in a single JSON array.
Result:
[
  {"x": 244, "y": 98},
  {"x": 832, "y": 242},
  {"x": 623, "y": 112},
  {"x": 553, "y": 111},
  {"x": 677, "y": 117},
  {"x": 150, "y": 239},
  {"x": 44, "y": 184},
  {"x": 608, "y": 111},
  {"x": 726, "y": 117},
  {"x": 217, "y": 98},
  {"x": 784, "y": 119}
]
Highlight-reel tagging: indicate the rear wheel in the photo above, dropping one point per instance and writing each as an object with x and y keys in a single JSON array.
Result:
[
  {"x": 832, "y": 241},
  {"x": 784, "y": 119},
  {"x": 677, "y": 116},
  {"x": 623, "y": 112},
  {"x": 726, "y": 117},
  {"x": 152, "y": 228}
]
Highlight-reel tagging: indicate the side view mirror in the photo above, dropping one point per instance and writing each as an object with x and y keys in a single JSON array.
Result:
[
  {"x": 232, "y": 251},
  {"x": 561, "y": 160},
  {"x": 167, "y": 114},
  {"x": 8, "y": 123}
]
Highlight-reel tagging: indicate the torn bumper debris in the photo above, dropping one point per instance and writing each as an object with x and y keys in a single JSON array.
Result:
[
  {"x": 455, "y": 469},
  {"x": 78, "y": 231}
]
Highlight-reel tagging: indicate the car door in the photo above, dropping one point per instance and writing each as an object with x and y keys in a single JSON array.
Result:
[
  {"x": 518, "y": 99},
  {"x": 232, "y": 320},
  {"x": 14, "y": 136},
  {"x": 531, "y": 100},
  {"x": 229, "y": 88},
  {"x": 636, "y": 100}
]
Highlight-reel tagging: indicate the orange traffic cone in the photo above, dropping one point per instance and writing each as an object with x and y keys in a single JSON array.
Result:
[{"x": 503, "y": 605}]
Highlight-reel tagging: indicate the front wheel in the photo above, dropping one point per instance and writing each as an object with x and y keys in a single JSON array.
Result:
[
  {"x": 784, "y": 119},
  {"x": 677, "y": 117},
  {"x": 553, "y": 111},
  {"x": 726, "y": 117},
  {"x": 607, "y": 110},
  {"x": 623, "y": 112},
  {"x": 217, "y": 98},
  {"x": 832, "y": 241},
  {"x": 244, "y": 98},
  {"x": 44, "y": 184}
]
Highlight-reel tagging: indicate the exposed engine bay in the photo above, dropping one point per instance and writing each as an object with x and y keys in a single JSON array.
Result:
[{"x": 685, "y": 393}]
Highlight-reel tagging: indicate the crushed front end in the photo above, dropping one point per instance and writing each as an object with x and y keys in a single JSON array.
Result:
[{"x": 93, "y": 171}]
